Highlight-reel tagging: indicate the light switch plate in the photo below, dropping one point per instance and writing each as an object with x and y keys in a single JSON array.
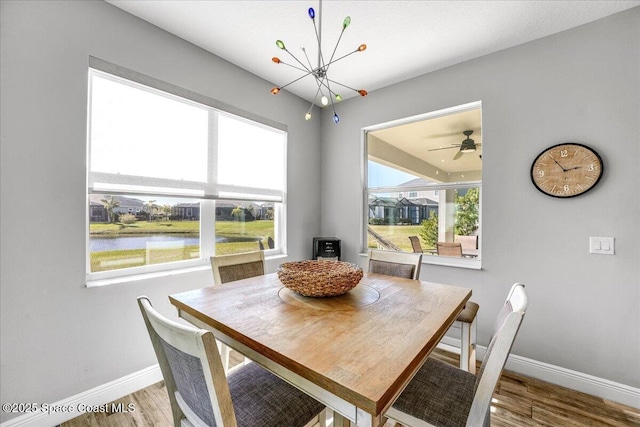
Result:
[{"x": 601, "y": 245}]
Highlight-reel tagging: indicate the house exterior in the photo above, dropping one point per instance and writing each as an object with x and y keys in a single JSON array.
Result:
[{"x": 404, "y": 207}]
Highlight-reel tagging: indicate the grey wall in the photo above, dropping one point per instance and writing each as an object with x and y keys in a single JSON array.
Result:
[
  {"x": 58, "y": 337},
  {"x": 581, "y": 85}
]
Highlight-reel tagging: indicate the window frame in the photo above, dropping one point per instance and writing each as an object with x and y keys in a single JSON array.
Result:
[
  {"x": 206, "y": 193},
  {"x": 469, "y": 263}
]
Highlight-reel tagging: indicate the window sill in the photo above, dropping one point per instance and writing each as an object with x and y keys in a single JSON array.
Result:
[
  {"x": 164, "y": 273},
  {"x": 469, "y": 263},
  {"x": 145, "y": 276}
]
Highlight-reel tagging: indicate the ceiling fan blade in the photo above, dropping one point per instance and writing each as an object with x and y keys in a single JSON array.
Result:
[
  {"x": 458, "y": 155},
  {"x": 445, "y": 148}
]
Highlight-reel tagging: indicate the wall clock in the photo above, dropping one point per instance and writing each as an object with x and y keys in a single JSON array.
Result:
[{"x": 566, "y": 170}]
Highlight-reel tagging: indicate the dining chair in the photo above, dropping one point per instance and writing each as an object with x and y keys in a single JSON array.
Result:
[
  {"x": 449, "y": 249},
  {"x": 395, "y": 263},
  {"x": 407, "y": 265},
  {"x": 201, "y": 394},
  {"x": 442, "y": 395},
  {"x": 229, "y": 268},
  {"x": 415, "y": 244}
]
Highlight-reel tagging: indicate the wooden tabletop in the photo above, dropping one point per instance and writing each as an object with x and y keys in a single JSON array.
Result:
[{"x": 363, "y": 346}]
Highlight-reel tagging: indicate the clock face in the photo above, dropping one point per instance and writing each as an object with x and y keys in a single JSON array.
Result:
[{"x": 566, "y": 170}]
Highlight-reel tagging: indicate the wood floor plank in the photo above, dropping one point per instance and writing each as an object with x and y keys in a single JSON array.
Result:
[{"x": 519, "y": 401}]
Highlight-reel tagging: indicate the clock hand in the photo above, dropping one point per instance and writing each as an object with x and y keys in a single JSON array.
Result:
[
  {"x": 563, "y": 169},
  {"x": 577, "y": 167}
]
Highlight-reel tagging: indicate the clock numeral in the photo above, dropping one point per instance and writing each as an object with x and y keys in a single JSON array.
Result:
[
  {"x": 564, "y": 153},
  {"x": 591, "y": 168},
  {"x": 540, "y": 173},
  {"x": 566, "y": 188}
]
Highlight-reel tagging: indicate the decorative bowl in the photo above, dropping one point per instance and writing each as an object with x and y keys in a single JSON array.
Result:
[{"x": 322, "y": 278}]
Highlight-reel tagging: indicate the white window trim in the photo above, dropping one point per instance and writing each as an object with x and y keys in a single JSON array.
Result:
[
  {"x": 470, "y": 263},
  {"x": 116, "y": 184}
]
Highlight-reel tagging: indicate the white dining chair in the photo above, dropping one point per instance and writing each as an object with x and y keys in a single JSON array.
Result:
[
  {"x": 444, "y": 396},
  {"x": 407, "y": 265},
  {"x": 229, "y": 268},
  {"x": 395, "y": 263},
  {"x": 202, "y": 395}
]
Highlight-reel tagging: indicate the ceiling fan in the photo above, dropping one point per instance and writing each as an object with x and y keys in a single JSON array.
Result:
[{"x": 466, "y": 146}]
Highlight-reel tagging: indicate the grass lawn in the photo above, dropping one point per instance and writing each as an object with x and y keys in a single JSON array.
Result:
[
  {"x": 396, "y": 234},
  {"x": 262, "y": 228}
]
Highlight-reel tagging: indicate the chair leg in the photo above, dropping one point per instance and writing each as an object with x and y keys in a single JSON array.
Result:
[
  {"x": 224, "y": 354},
  {"x": 468, "y": 346}
]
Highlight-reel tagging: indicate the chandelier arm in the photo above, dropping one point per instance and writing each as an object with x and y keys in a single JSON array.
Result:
[
  {"x": 301, "y": 77},
  {"x": 298, "y": 61},
  {"x": 326, "y": 67},
  {"x": 330, "y": 95},
  {"x": 336, "y": 47},
  {"x": 343, "y": 85},
  {"x": 306, "y": 70},
  {"x": 308, "y": 60}
]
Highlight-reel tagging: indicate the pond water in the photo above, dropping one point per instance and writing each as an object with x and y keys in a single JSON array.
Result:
[{"x": 102, "y": 243}]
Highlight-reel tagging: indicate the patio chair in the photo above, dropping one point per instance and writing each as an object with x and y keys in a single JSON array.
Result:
[
  {"x": 229, "y": 268},
  {"x": 201, "y": 394},
  {"x": 449, "y": 249},
  {"x": 415, "y": 244},
  {"x": 445, "y": 396}
]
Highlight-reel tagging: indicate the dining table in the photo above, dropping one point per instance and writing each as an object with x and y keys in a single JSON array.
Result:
[{"x": 355, "y": 352}]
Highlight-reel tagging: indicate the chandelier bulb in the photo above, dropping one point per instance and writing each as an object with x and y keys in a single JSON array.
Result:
[
  {"x": 307, "y": 116},
  {"x": 338, "y": 97},
  {"x": 363, "y": 92},
  {"x": 276, "y": 60},
  {"x": 280, "y": 44},
  {"x": 324, "y": 100},
  {"x": 312, "y": 13},
  {"x": 346, "y": 22},
  {"x": 336, "y": 118},
  {"x": 362, "y": 47},
  {"x": 275, "y": 90}
]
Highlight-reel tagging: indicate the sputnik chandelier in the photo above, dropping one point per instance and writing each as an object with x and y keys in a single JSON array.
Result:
[{"x": 321, "y": 71}]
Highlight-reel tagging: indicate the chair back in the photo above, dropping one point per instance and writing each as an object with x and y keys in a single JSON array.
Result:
[
  {"x": 504, "y": 334},
  {"x": 469, "y": 243},
  {"x": 449, "y": 249},
  {"x": 270, "y": 242},
  {"x": 415, "y": 244},
  {"x": 394, "y": 263},
  {"x": 192, "y": 370},
  {"x": 228, "y": 268}
]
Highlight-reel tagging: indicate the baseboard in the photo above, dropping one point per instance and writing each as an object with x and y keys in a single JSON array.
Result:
[
  {"x": 97, "y": 396},
  {"x": 113, "y": 390},
  {"x": 579, "y": 381}
]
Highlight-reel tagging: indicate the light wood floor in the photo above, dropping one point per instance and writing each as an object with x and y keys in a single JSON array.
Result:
[{"x": 519, "y": 401}]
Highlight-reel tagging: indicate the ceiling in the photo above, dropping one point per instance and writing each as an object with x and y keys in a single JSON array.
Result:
[
  {"x": 404, "y": 38},
  {"x": 442, "y": 133}
]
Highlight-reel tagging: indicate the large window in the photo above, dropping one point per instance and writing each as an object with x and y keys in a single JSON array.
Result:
[
  {"x": 424, "y": 184},
  {"x": 172, "y": 181}
]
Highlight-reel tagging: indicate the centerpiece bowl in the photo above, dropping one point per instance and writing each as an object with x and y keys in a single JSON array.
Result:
[{"x": 321, "y": 278}]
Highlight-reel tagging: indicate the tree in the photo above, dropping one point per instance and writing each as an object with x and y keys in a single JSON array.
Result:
[
  {"x": 110, "y": 203},
  {"x": 467, "y": 212},
  {"x": 429, "y": 230},
  {"x": 165, "y": 210},
  {"x": 238, "y": 213},
  {"x": 150, "y": 208}
]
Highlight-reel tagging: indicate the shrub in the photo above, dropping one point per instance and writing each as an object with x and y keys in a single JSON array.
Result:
[
  {"x": 429, "y": 230},
  {"x": 127, "y": 218}
]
